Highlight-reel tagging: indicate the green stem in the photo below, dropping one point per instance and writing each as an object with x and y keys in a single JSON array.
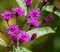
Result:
[
  {"x": 7, "y": 22},
  {"x": 17, "y": 42},
  {"x": 16, "y": 19},
  {"x": 31, "y": 27},
  {"x": 24, "y": 25},
  {"x": 37, "y": 3},
  {"x": 11, "y": 44},
  {"x": 7, "y": 49}
]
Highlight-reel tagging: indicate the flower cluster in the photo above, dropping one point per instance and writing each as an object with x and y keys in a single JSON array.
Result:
[
  {"x": 33, "y": 17},
  {"x": 15, "y": 33}
]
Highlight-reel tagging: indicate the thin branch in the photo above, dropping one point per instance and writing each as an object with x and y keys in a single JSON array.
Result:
[
  {"x": 16, "y": 19},
  {"x": 7, "y": 22},
  {"x": 37, "y": 3},
  {"x": 24, "y": 25},
  {"x": 17, "y": 42},
  {"x": 2, "y": 32},
  {"x": 7, "y": 49},
  {"x": 11, "y": 44}
]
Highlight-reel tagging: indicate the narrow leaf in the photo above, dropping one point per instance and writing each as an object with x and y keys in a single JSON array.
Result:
[
  {"x": 41, "y": 31},
  {"x": 2, "y": 42},
  {"x": 57, "y": 12},
  {"x": 48, "y": 8}
]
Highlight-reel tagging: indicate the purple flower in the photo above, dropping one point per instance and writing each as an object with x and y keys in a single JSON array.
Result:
[
  {"x": 19, "y": 11},
  {"x": 23, "y": 36},
  {"x": 28, "y": 2},
  {"x": 33, "y": 17},
  {"x": 12, "y": 30},
  {"x": 46, "y": 19},
  {"x": 6, "y": 15},
  {"x": 15, "y": 33},
  {"x": 34, "y": 22},
  {"x": 34, "y": 13}
]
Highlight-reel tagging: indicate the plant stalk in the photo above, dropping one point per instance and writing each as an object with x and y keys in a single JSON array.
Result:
[
  {"x": 16, "y": 19},
  {"x": 37, "y": 3}
]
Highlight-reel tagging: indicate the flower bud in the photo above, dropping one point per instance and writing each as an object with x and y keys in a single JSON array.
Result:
[
  {"x": 28, "y": 2},
  {"x": 33, "y": 36}
]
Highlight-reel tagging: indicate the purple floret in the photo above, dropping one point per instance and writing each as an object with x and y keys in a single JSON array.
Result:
[
  {"x": 28, "y": 2},
  {"x": 23, "y": 36},
  {"x": 12, "y": 29},
  {"x": 6, "y": 15},
  {"x": 33, "y": 17},
  {"x": 18, "y": 10}
]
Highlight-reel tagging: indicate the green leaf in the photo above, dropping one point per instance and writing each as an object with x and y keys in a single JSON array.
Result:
[
  {"x": 43, "y": 14},
  {"x": 22, "y": 4},
  {"x": 20, "y": 49},
  {"x": 45, "y": 11},
  {"x": 57, "y": 12},
  {"x": 57, "y": 44},
  {"x": 42, "y": 36},
  {"x": 48, "y": 8},
  {"x": 41, "y": 31},
  {"x": 2, "y": 42},
  {"x": 24, "y": 49}
]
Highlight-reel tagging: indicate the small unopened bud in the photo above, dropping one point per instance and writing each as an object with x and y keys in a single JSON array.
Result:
[
  {"x": 45, "y": 20},
  {"x": 33, "y": 36},
  {"x": 45, "y": 2},
  {"x": 55, "y": 8}
]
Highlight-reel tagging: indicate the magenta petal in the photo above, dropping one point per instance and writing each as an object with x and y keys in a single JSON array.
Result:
[
  {"x": 23, "y": 36},
  {"x": 6, "y": 15},
  {"x": 18, "y": 10},
  {"x": 28, "y": 2},
  {"x": 34, "y": 22},
  {"x": 12, "y": 30}
]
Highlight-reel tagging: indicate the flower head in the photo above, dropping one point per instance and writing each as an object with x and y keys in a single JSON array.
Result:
[
  {"x": 34, "y": 13},
  {"x": 12, "y": 30},
  {"x": 34, "y": 22},
  {"x": 28, "y": 2},
  {"x": 18, "y": 10},
  {"x": 6, "y": 15},
  {"x": 23, "y": 36},
  {"x": 33, "y": 17}
]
